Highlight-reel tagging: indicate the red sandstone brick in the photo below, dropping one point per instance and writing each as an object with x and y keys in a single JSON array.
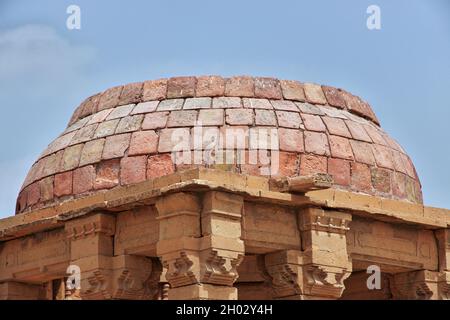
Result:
[
  {"x": 99, "y": 116},
  {"x": 383, "y": 156},
  {"x": 239, "y": 87},
  {"x": 176, "y": 139},
  {"x": 210, "y": 86},
  {"x": 197, "y": 103},
  {"x": 154, "y": 90},
  {"x": 109, "y": 98},
  {"x": 375, "y": 134},
  {"x": 256, "y": 103},
  {"x": 291, "y": 140},
  {"x": 336, "y": 127},
  {"x": 170, "y": 105},
  {"x": 340, "y": 147},
  {"x": 155, "y": 120},
  {"x": 132, "y": 169},
  {"x": 287, "y": 165},
  {"x": 284, "y": 105},
  {"x": 239, "y": 116},
  {"x": 46, "y": 186},
  {"x": 359, "y": 107},
  {"x": 361, "y": 177},
  {"x": 398, "y": 162},
  {"x": 143, "y": 142},
  {"x": 83, "y": 179},
  {"x": 381, "y": 179},
  {"x": 145, "y": 107},
  {"x": 52, "y": 164},
  {"x": 92, "y": 152},
  {"x": 289, "y": 119},
  {"x": 340, "y": 170},
  {"x": 362, "y": 152},
  {"x": 34, "y": 194},
  {"x": 71, "y": 158},
  {"x": 409, "y": 168},
  {"x": 292, "y": 90},
  {"x": 317, "y": 143},
  {"x": 311, "y": 164},
  {"x": 159, "y": 165},
  {"x": 89, "y": 106},
  {"x": 106, "y": 128},
  {"x": 314, "y": 93},
  {"x": 399, "y": 185},
  {"x": 22, "y": 201},
  {"x": 120, "y": 112},
  {"x": 107, "y": 174},
  {"x": 309, "y": 108},
  {"x": 268, "y": 88},
  {"x": 211, "y": 117},
  {"x": 183, "y": 118},
  {"x": 334, "y": 97},
  {"x": 357, "y": 131},
  {"x": 181, "y": 87},
  {"x": 115, "y": 146},
  {"x": 312, "y": 122},
  {"x": 265, "y": 117},
  {"x": 131, "y": 93},
  {"x": 84, "y": 134},
  {"x": 63, "y": 184}
]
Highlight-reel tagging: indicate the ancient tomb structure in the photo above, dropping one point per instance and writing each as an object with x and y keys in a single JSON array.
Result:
[{"x": 214, "y": 188}]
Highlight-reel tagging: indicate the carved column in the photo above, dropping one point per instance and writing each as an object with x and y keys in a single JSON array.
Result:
[
  {"x": 199, "y": 244},
  {"x": 104, "y": 276},
  {"x": 319, "y": 270}
]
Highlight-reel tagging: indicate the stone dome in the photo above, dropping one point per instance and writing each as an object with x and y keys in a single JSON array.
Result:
[{"x": 125, "y": 135}]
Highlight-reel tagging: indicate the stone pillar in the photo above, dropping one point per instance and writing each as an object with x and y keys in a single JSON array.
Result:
[
  {"x": 104, "y": 276},
  {"x": 199, "y": 244},
  {"x": 317, "y": 271}
]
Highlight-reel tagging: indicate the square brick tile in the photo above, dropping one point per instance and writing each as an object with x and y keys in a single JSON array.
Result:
[
  {"x": 375, "y": 135},
  {"x": 383, "y": 156},
  {"x": 357, "y": 131},
  {"x": 159, "y": 165},
  {"x": 206, "y": 138},
  {"x": 317, "y": 143},
  {"x": 106, "y": 128},
  {"x": 314, "y": 93},
  {"x": 184, "y": 118},
  {"x": 211, "y": 117},
  {"x": 181, "y": 87},
  {"x": 381, "y": 179},
  {"x": 92, "y": 152},
  {"x": 292, "y": 90},
  {"x": 177, "y": 139},
  {"x": 226, "y": 103},
  {"x": 264, "y": 138},
  {"x": 235, "y": 137},
  {"x": 130, "y": 123},
  {"x": 63, "y": 184},
  {"x": 312, "y": 122},
  {"x": 120, "y": 112},
  {"x": 83, "y": 179},
  {"x": 171, "y": 104},
  {"x": 311, "y": 164},
  {"x": 71, "y": 158},
  {"x": 154, "y": 90},
  {"x": 115, "y": 146},
  {"x": 99, "y": 116},
  {"x": 197, "y": 103},
  {"x": 284, "y": 105},
  {"x": 340, "y": 147},
  {"x": 265, "y": 117},
  {"x": 109, "y": 98},
  {"x": 84, "y": 134},
  {"x": 268, "y": 88},
  {"x": 34, "y": 194},
  {"x": 155, "y": 120},
  {"x": 340, "y": 170},
  {"x": 256, "y": 103},
  {"x": 52, "y": 164},
  {"x": 145, "y": 107},
  {"x": 107, "y": 174},
  {"x": 89, "y": 106},
  {"x": 210, "y": 86},
  {"x": 398, "y": 161},
  {"x": 335, "y": 113},
  {"x": 291, "y": 140},
  {"x": 310, "y": 108},
  {"x": 289, "y": 119},
  {"x": 362, "y": 152},
  {"x": 336, "y": 127},
  {"x": 334, "y": 97},
  {"x": 132, "y": 169},
  {"x": 361, "y": 177},
  {"x": 131, "y": 93},
  {"x": 239, "y": 116},
  {"x": 239, "y": 87},
  {"x": 285, "y": 164},
  {"x": 143, "y": 142},
  {"x": 46, "y": 186}
]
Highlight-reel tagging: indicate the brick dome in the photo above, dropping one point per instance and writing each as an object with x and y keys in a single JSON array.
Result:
[{"x": 124, "y": 135}]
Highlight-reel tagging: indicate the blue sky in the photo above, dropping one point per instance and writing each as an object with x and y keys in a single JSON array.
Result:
[{"x": 403, "y": 70}]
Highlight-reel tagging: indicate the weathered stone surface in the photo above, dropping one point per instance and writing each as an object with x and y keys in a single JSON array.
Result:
[
  {"x": 340, "y": 147},
  {"x": 256, "y": 103},
  {"x": 92, "y": 152},
  {"x": 120, "y": 112},
  {"x": 313, "y": 123},
  {"x": 109, "y": 98},
  {"x": 314, "y": 93},
  {"x": 63, "y": 184},
  {"x": 334, "y": 97},
  {"x": 115, "y": 146},
  {"x": 159, "y": 165},
  {"x": 154, "y": 90},
  {"x": 212, "y": 117},
  {"x": 239, "y": 116},
  {"x": 340, "y": 170},
  {"x": 361, "y": 177},
  {"x": 71, "y": 158},
  {"x": 46, "y": 188},
  {"x": 184, "y": 118},
  {"x": 284, "y": 105},
  {"x": 227, "y": 103},
  {"x": 317, "y": 143},
  {"x": 197, "y": 103},
  {"x": 83, "y": 179},
  {"x": 381, "y": 179},
  {"x": 131, "y": 93},
  {"x": 292, "y": 90},
  {"x": 291, "y": 140},
  {"x": 210, "y": 86},
  {"x": 268, "y": 88},
  {"x": 155, "y": 120},
  {"x": 336, "y": 127},
  {"x": 145, "y": 107},
  {"x": 171, "y": 104},
  {"x": 239, "y": 87},
  {"x": 107, "y": 174},
  {"x": 132, "y": 169},
  {"x": 289, "y": 119},
  {"x": 143, "y": 142},
  {"x": 181, "y": 87},
  {"x": 362, "y": 152},
  {"x": 357, "y": 131},
  {"x": 311, "y": 164},
  {"x": 265, "y": 118},
  {"x": 174, "y": 140}
]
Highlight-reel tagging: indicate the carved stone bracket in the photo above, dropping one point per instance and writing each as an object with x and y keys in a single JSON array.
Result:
[{"x": 421, "y": 285}]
